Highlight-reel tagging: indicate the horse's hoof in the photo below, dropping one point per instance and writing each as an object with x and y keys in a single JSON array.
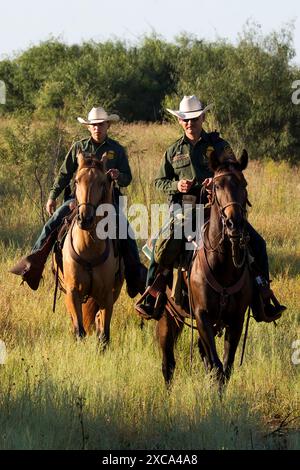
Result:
[
  {"x": 79, "y": 334},
  {"x": 102, "y": 342}
]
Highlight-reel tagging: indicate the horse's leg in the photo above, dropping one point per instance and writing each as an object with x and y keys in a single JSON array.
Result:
[
  {"x": 207, "y": 338},
  {"x": 89, "y": 311},
  {"x": 231, "y": 341},
  {"x": 203, "y": 356},
  {"x": 167, "y": 332},
  {"x": 74, "y": 307},
  {"x": 103, "y": 319}
]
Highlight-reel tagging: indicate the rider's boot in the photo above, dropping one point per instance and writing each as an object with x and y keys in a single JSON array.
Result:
[
  {"x": 272, "y": 309},
  {"x": 151, "y": 304},
  {"x": 136, "y": 280},
  {"x": 135, "y": 271},
  {"x": 31, "y": 267}
]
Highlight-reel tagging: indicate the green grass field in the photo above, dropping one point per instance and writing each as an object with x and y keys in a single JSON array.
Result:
[{"x": 56, "y": 393}]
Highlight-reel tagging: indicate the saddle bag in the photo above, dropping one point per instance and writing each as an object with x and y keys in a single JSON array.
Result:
[
  {"x": 167, "y": 247},
  {"x": 171, "y": 239}
]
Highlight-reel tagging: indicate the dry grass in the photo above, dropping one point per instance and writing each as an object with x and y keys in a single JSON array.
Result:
[{"x": 50, "y": 383}]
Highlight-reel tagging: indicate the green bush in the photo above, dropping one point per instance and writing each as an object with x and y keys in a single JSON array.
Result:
[{"x": 249, "y": 83}]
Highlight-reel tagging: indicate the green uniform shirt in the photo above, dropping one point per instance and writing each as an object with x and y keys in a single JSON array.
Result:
[
  {"x": 116, "y": 158},
  {"x": 183, "y": 160}
]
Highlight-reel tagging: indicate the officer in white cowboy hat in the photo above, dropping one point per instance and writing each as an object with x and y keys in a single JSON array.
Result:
[
  {"x": 96, "y": 145},
  {"x": 97, "y": 116},
  {"x": 183, "y": 171},
  {"x": 190, "y": 108}
]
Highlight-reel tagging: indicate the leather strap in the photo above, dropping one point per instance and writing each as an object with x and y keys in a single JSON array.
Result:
[
  {"x": 89, "y": 265},
  {"x": 212, "y": 281}
]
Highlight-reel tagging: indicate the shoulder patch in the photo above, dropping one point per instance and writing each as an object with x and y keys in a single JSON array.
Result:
[
  {"x": 180, "y": 156},
  {"x": 110, "y": 154}
]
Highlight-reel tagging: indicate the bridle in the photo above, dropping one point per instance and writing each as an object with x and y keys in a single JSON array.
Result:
[
  {"x": 103, "y": 194},
  {"x": 238, "y": 241}
]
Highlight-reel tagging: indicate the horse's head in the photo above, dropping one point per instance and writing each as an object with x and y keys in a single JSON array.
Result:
[
  {"x": 229, "y": 192},
  {"x": 91, "y": 189}
]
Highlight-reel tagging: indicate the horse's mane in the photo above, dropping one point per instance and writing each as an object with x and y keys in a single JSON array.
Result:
[
  {"x": 230, "y": 166},
  {"x": 224, "y": 163},
  {"x": 92, "y": 162}
]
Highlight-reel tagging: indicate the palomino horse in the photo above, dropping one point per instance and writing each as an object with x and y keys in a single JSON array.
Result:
[
  {"x": 220, "y": 286},
  {"x": 92, "y": 274}
]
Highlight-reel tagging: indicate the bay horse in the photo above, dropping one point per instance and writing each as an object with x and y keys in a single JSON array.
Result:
[
  {"x": 219, "y": 280},
  {"x": 92, "y": 274}
]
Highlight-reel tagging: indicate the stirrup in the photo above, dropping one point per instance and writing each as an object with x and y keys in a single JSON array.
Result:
[
  {"x": 152, "y": 308},
  {"x": 148, "y": 311},
  {"x": 269, "y": 312},
  {"x": 157, "y": 293}
]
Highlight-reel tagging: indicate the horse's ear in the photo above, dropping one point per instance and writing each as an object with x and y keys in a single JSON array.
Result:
[
  {"x": 80, "y": 159},
  {"x": 213, "y": 161},
  {"x": 243, "y": 160}
]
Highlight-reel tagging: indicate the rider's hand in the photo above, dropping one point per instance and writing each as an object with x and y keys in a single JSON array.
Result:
[
  {"x": 184, "y": 186},
  {"x": 72, "y": 204},
  {"x": 113, "y": 173},
  {"x": 51, "y": 206},
  {"x": 208, "y": 183}
]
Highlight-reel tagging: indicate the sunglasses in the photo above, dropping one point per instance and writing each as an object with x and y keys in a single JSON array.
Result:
[
  {"x": 98, "y": 124},
  {"x": 191, "y": 119}
]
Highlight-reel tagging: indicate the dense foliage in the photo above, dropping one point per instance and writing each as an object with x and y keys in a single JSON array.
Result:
[{"x": 250, "y": 84}]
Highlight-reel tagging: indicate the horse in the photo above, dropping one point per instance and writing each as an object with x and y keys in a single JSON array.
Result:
[
  {"x": 219, "y": 279},
  {"x": 92, "y": 272}
]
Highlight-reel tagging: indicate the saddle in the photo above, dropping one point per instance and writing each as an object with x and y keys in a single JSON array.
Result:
[
  {"x": 262, "y": 295},
  {"x": 177, "y": 299},
  {"x": 170, "y": 287},
  {"x": 59, "y": 243}
]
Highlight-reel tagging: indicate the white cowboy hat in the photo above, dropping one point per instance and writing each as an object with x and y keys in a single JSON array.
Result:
[
  {"x": 190, "y": 107},
  {"x": 98, "y": 115}
]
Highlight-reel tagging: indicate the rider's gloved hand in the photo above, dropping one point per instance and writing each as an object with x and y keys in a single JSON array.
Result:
[
  {"x": 51, "y": 206},
  {"x": 184, "y": 186},
  {"x": 208, "y": 183},
  {"x": 113, "y": 173}
]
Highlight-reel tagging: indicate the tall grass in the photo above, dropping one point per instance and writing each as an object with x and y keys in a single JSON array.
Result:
[{"x": 57, "y": 393}]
